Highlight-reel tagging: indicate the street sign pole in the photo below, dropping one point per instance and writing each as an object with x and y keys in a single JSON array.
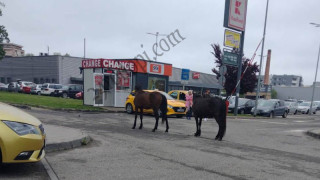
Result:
[{"x": 239, "y": 73}]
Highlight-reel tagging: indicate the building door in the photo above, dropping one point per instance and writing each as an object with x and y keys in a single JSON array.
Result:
[{"x": 109, "y": 89}]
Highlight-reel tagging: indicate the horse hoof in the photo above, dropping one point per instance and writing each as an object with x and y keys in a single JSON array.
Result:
[
  {"x": 153, "y": 130},
  {"x": 133, "y": 127},
  {"x": 140, "y": 127},
  {"x": 166, "y": 131}
]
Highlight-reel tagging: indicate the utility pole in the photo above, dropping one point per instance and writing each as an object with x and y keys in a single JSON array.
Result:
[{"x": 259, "y": 78}]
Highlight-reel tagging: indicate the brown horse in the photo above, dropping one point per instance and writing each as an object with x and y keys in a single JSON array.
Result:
[
  {"x": 150, "y": 100},
  {"x": 210, "y": 107}
]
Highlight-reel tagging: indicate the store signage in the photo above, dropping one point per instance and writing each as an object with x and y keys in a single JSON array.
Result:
[
  {"x": 155, "y": 68},
  {"x": 108, "y": 63},
  {"x": 185, "y": 74},
  {"x": 235, "y": 14},
  {"x": 231, "y": 39},
  {"x": 196, "y": 75},
  {"x": 230, "y": 58}
]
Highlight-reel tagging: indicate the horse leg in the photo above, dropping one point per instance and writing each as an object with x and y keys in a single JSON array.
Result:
[
  {"x": 135, "y": 118},
  {"x": 200, "y": 122},
  {"x": 197, "y": 125},
  {"x": 156, "y": 114},
  {"x": 141, "y": 116},
  {"x": 166, "y": 118}
]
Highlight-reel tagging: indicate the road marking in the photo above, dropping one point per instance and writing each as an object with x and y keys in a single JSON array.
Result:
[
  {"x": 270, "y": 122},
  {"x": 296, "y": 130},
  {"x": 50, "y": 171}
]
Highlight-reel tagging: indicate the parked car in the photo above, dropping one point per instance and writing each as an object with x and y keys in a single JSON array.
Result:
[
  {"x": 36, "y": 89},
  {"x": 25, "y": 86},
  {"x": 304, "y": 108},
  {"x": 271, "y": 108},
  {"x": 179, "y": 95},
  {"x": 4, "y": 87},
  {"x": 22, "y": 137},
  {"x": 174, "y": 106},
  {"x": 13, "y": 87},
  {"x": 317, "y": 103},
  {"x": 48, "y": 88},
  {"x": 244, "y": 106},
  {"x": 292, "y": 107},
  {"x": 69, "y": 91}
]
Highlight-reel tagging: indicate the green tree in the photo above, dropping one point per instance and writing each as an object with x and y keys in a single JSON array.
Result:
[
  {"x": 274, "y": 94},
  {"x": 3, "y": 35},
  {"x": 249, "y": 80}
]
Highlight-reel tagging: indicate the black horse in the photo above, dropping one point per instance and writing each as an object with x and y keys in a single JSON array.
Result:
[
  {"x": 210, "y": 107},
  {"x": 150, "y": 100}
]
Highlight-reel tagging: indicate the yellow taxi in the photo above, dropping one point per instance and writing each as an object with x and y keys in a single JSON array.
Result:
[
  {"x": 22, "y": 137},
  {"x": 179, "y": 95},
  {"x": 174, "y": 107}
]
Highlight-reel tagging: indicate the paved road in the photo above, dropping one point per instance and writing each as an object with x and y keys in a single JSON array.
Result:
[{"x": 252, "y": 149}]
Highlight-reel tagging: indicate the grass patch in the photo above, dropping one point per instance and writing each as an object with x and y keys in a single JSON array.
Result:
[{"x": 44, "y": 101}]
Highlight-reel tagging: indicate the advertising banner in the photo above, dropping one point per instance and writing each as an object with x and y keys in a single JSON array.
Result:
[
  {"x": 231, "y": 39},
  {"x": 235, "y": 14}
]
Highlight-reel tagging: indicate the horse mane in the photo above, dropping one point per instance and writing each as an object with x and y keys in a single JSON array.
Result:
[{"x": 138, "y": 88}]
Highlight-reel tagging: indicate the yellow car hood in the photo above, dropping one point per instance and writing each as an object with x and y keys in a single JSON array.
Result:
[
  {"x": 10, "y": 113},
  {"x": 176, "y": 103}
]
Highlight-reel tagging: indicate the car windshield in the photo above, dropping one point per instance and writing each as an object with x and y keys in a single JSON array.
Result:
[
  {"x": 65, "y": 87},
  {"x": 287, "y": 103},
  {"x": 266, "y": 103},
  {"x": 167, "y": 95},
  {"x": 304, "y": 104}
]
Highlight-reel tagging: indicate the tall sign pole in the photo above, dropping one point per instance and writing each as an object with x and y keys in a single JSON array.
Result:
[
  {"x": 235, "y": 18},
  {"x": 264, "y": 34}
]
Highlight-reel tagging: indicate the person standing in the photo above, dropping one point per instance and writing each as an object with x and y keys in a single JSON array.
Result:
[{"x": 189, "y": 103}]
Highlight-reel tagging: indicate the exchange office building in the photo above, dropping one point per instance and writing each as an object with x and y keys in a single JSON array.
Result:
[{"x": 108, "y": 82}]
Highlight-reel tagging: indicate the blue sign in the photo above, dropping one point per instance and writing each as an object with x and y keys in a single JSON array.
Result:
[{"x": 185, "y": 74}]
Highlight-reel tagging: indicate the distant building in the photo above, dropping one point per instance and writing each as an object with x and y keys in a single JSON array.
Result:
[
  {"x": 13, "y": 50},
  {"x": 287, "y": 80}
]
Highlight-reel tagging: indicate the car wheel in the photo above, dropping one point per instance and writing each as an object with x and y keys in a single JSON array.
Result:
[
  {"x": 129, "y": 108},
  {"x": 64, "y": 95},
  {"x": 51, "y": 94},
  {"x": 242, "y": 111},
  {"x": 307, "y": 112},
  {"x": 285, "y": 114},
  {"x": 314, "y": 112},
  {"x": 39, "y": 93},
  {"x": 271, "y": 114}
]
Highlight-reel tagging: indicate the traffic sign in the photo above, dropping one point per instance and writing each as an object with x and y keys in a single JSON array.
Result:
[
  {"x": 230, "y": 58},
  {"x": 185, "y": 74}
]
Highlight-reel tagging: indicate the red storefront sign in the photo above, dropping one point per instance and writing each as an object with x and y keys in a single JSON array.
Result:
[
  {"x": 196, "y": 75},
  {"x": 98, "y": 80},
  {"x": 133, "y": 65}
]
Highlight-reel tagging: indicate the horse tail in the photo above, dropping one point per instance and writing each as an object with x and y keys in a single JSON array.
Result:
[
  {"x": 164, "y": 107},
  {"x": 224, "y": 117}
]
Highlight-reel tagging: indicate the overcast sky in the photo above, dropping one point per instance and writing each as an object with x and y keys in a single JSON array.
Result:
[{"x": 117, "y": 29}]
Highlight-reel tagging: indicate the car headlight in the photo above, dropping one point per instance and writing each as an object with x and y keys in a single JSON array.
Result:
[
  {"x": 169, "y": 106},
  {"x": 22, "y": 128}
]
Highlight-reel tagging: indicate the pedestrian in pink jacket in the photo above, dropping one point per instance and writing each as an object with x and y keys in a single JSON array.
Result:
[{"x": 189, "y": 103}]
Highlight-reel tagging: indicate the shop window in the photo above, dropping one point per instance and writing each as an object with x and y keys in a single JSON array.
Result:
[
  {"x": 47, "y": 80},
  {"x": 53, "y": 80},
  {"x": 41, "y": 80},
  {"x": 157, "y": 83},
  {"x": 123, "y": 80},
  {"x": 3, "y": 79}
]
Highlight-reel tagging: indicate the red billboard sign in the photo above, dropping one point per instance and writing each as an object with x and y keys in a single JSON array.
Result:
[{"x": 196, "y": 75}]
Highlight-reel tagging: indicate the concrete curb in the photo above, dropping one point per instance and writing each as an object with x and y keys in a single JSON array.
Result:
[
  {"x": 314, "y": 134},
  {"x": 68, "y": 145}
]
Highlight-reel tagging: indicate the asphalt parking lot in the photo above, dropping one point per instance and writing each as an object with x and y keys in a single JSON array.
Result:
[{"x": 252, "y": 149}]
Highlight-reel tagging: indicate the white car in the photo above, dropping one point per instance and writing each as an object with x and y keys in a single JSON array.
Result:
[
  {"x": 48, "y": 88},
  {"x": 292, "y": 107},
  {"x": 304, "y": 107},
  {"x": 36, "y": 89}
]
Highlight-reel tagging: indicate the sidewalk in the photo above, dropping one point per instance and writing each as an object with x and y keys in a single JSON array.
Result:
[
  {"x": 314, "y": 133},
  {"x": 63, "y": 138}
]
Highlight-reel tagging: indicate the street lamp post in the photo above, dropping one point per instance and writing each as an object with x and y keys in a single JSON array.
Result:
[
  {"x": 156, "y": 34},
  {"x": 315, "y": 77}
]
